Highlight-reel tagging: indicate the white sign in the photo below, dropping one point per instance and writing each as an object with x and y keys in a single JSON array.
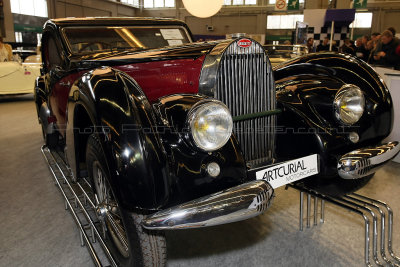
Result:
[
  {"x": 280, "y": 5},
  {"x": 174, "y": 42},
  {"x": 289, "y": 171},
  {"x": 171, "y": 34}
]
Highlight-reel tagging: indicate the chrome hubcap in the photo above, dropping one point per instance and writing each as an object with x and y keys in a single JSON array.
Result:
[
  {"x": 101, "y": 211},
  {"x": 108, "y": 212}
]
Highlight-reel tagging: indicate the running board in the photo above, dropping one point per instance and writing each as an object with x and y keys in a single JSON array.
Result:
[
  {"x": 79, "y": 201},
  {"x": 367, "y": 208}
]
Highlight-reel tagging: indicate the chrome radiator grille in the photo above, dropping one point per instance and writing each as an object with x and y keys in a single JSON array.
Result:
[{"x": 244, "y": 82}]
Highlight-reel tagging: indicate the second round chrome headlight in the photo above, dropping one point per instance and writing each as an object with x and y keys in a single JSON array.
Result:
[
  {"x": 349, "y": 104},
  {"x": 210, "y": 124}
]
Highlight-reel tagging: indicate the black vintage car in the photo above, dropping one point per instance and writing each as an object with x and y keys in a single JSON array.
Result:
[{"x": 173, "y": 134}]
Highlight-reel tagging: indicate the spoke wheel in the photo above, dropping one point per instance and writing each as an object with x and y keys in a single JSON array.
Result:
[
  {"x": 128, "y": 242},
  {"x": 110, "y": 215}
]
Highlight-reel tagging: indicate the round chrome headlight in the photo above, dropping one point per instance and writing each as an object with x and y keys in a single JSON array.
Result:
[
  {"x": 210, "y": 125},
  {"x": 349, "y": 104}
]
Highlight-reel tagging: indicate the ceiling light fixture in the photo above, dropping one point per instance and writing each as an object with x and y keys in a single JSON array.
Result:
[{"x": 203, "y": 8}]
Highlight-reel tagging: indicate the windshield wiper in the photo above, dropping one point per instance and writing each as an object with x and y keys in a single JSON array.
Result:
[{"x": 117, "y": 49}]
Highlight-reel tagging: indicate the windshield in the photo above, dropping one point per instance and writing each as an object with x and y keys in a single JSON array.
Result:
[{"x": 86, "y": 40}]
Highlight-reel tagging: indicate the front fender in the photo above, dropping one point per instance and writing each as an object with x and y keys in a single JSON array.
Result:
[
  {"x": 112, "y": 105},
  {"x": 188, "y": 163},
  {"x": 306, "y": 87}
]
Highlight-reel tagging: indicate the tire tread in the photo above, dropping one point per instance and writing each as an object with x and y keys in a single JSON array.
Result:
[{"x": 153, "y": 244}]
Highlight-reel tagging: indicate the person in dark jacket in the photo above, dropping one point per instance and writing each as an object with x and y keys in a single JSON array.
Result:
[
  {"x": 371, "y": 47},
  {"x": 362, "y": 50},
  {"x": 310, "y": 45},
  {"x": 385, "y": 53},
  {"x": 375, "y": 36},
  {"x": 324, "y": 45},
  {"x": 347, "y": 47},
  {"x": 393, "y": 30}
]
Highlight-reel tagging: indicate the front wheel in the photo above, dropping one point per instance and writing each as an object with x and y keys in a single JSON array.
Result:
[{"x": 129, "y": 243}]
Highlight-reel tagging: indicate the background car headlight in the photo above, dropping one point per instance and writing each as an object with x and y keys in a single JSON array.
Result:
[
  {"x": 349, "y": 104},
  {"x": 210, "y": 125}
]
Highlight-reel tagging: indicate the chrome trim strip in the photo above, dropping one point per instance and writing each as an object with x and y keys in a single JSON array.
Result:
[
  {"x": 362, "y": 162},
  {"x": 257, "y": 115},
  {"x": 209, "y": 72},
  {"x": 231, "y": 205}
]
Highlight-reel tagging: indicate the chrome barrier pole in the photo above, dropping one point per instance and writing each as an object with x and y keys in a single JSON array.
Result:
[
  {"x": 57, "y": 167},
  {"x": 308, "y": 210},
  {"x": 301, "y": 210},
  {"x": 84, "y": 238},
  {"x": 390, "y": 223},
  {"x": 382, "y": 235},
  {"x": 315, "y": 210},
  {"x": 374, "y": 228},
  {"x": 348, "y": 206}
]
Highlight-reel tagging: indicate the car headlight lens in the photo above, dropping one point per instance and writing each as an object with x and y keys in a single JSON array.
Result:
[
  {"x": 349, "y": 104},
  {"x": 210, "y": 125}
]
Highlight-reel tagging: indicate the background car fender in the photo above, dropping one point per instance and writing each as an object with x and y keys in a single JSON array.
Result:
[{"x": 113, "y": 106}]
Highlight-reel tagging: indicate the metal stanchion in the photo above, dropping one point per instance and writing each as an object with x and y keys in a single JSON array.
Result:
[{"x": 362, "y": 206}]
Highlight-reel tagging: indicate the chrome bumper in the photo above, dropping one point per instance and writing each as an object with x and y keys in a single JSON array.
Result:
[
  {"x": 362, "y": 162},
  {"x": 231, "y": 205}
]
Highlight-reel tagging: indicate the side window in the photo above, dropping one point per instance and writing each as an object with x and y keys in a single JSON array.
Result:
[{"x": 52, "y": 56}]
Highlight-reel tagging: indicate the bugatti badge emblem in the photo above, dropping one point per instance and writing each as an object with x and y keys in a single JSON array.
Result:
[{"x": 244, "y": 43}]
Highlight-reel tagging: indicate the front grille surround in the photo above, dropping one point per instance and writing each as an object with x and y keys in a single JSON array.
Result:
[{"x": 242, "y": 78}]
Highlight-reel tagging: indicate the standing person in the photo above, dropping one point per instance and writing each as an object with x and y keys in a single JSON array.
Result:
[
  {"x": 365, "y": 39},
  {"x": 371, "y": 47},
  {"x": 310, "y": 45},
  {"x": 385, "y": 53},
  {"x": 393, "y": 30},
  {"x": 324, "y": 45},
  {"x": 334, "y": 46},
  {"x": 5, "y": 51},
  {"x": 347, "y": 47},
  {"x": 362, "y": 50},
  {"x": 375, "y": 36},
  {"x": 358, "y": 42}
]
